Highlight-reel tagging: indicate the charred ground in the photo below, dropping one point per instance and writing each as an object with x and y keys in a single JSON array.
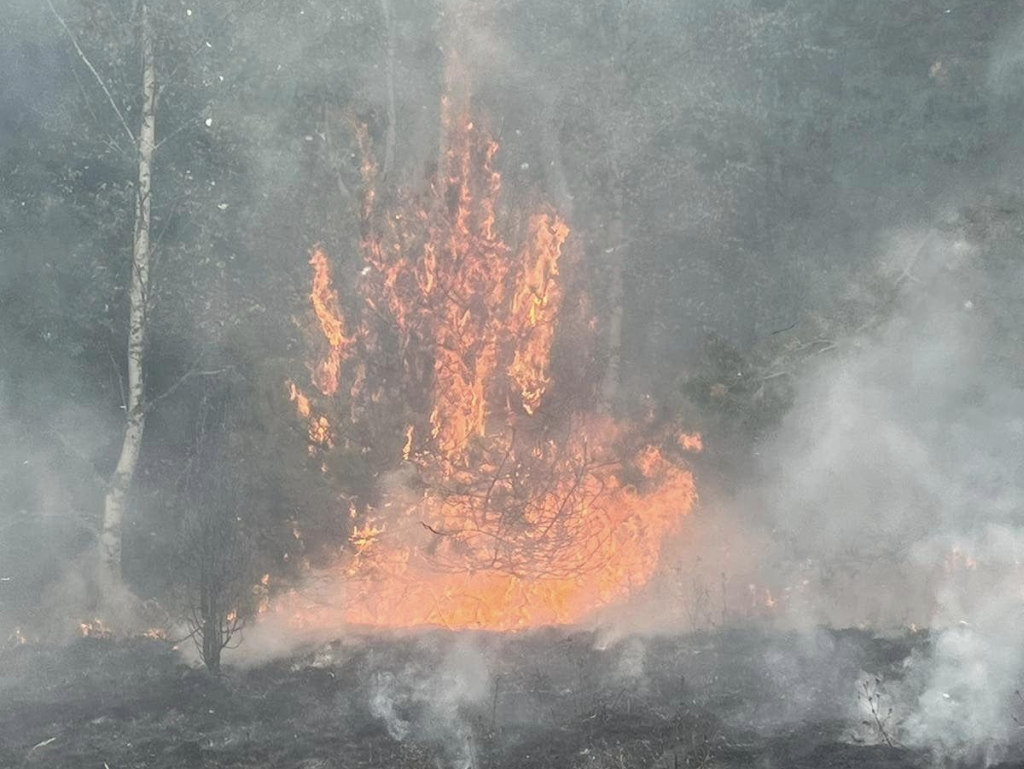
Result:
[{"x": 551, "y": 699}]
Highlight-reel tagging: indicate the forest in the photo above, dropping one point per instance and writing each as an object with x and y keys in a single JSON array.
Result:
[{"x": 397, "y": 362}]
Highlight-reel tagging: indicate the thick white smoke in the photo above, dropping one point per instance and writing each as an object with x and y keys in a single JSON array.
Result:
[{"x": 896, "y": 482}]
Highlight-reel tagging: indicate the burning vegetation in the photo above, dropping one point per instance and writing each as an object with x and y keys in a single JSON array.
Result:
[{"x": 519, "y": 508}]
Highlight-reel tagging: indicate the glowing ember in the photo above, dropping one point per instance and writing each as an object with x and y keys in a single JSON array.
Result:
[{"x": 516, "y": 518}]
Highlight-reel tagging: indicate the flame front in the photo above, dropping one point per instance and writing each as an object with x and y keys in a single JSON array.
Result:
[
  {"x": 517, "y": 518},
  {"x": 328, "y": 313},
  {"x": 577, "y": 539}
]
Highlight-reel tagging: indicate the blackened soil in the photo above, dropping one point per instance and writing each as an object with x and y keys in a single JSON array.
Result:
[{"x": 736, "y": 699}]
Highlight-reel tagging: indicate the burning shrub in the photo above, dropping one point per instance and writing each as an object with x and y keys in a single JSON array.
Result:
[{"x": 510, "y": 511}]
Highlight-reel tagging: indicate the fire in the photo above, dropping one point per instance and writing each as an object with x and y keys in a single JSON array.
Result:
[
  {"x": 301, "y": 401},
  {"x": 94, "y": 628},
  {"x": 517, "y": 518},
  {"x": 578, "y": 539},
  {"x": 407, "y": 447},
  {"x": 535, "y": 306},
  {"x": 690, "y": 442},
  {"x": 325, "y": 304}
]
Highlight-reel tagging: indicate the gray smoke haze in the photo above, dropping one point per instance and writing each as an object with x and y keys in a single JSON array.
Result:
[
  {"x": 970, "y": 706},
  {"x": 428, "y": 705},
  {"x": 897, "y": 484},
  {"x": 892, "y": 493}
]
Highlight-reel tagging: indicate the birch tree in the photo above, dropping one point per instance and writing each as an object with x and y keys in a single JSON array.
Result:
[
  {"x": 135, "y": 407},
  {"x": 143, "y": 142},
  {"x": 181, "y": 168}
]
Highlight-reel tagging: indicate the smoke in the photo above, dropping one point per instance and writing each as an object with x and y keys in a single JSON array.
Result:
[
  {"x": 895, "y": 484},
  {"x": 969, "y": 708},
  {"x": 890, "y": 496},
  {"x": 428, "y": 705},
  {"x": 1006, "y": 68}
]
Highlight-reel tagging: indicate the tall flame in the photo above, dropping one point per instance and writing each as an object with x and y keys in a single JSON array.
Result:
[
  {"x": 328, "y": 313},
  {"x": 517, "y": 518}
]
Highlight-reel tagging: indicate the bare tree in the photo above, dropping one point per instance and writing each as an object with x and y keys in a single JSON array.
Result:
[
  {"x": 220, "y": 592},
  {"x": 613, "y": 23}
]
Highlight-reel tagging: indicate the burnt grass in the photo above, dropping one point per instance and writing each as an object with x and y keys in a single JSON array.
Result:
[{"x": 549, "y": 699}]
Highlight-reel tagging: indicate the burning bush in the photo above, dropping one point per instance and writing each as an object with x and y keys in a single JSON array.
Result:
[{"x": 514, "y": 513}]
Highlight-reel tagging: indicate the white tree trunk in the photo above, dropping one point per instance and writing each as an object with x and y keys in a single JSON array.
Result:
[{"x": 120, "y": 484}]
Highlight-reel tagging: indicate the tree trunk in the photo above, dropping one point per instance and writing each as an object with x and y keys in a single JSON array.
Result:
[
  {"x": 389, "y": 68},
  {"x": 616, "y": 31},
  {"x": 209, "y": 612},
  {"x": 617, "y": 253},
  {"x": 120, "y": 484}
]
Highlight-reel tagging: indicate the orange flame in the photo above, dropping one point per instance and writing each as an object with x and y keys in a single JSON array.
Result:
[
  {"x": 94, "y": 628},
  {"x": 535, "y": 306},
  {"x": 328, "y": 313},
  {"x": 690, "y": 442},
  {"x": 300, "y": 400},
  {"x": 518, "y": 519},
  {"x": 582, "y": 542}
]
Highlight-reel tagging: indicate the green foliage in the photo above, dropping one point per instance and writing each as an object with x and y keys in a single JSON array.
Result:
[{"x": 732, "y": 393}]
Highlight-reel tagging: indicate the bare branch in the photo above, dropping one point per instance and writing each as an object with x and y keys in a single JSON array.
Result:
[
  {"x": 192, "y": 372},
  {"x": 120, "y": 379},
  {"x": 95, "y": 74},
  {"x": 172, "y": 134},
  {"x": 65, "y": 444}
]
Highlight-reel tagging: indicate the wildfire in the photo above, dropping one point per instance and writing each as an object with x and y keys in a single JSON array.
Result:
[
  {"x": 579, "y": 538},
  {"x": 690, "y": 442},
  {"x": 94, "y": 628},
  {"x": 325, "y": 304},
  {"x": 300, "y": 400},
  {"x": 517, "y": 518}
]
